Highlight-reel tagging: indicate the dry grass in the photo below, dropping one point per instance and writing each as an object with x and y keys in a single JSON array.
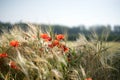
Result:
[{"x": 35, "y": 60}]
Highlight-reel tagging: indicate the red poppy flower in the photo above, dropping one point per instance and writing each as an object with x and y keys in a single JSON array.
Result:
[
  {"x": 66, "y": 49},
  {"x": 50, "y": 45},
  {"x": 59, "y": 37},
  {"x": 44, "y": 36},
  {"x": 88, "y": 79},
  {"x": 55, "y": 43},
  {"x": 48, "y": 39},
  {"x": 13, "y": 65},
  {"x": 3, "y": 55},
  {"x": 14, "y": 43}
]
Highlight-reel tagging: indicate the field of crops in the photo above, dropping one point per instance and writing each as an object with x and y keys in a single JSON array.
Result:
[{"x": 43, "y": 55}]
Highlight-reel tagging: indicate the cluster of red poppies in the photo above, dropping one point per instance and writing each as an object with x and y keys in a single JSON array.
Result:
[
  {"x": 55, "y": 42},
  {"x": 45, "y": 37},
  {"x": 12, "y": 64}
]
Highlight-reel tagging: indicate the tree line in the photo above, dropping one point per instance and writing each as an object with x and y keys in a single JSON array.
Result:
[{"x": 72, "y": 32}]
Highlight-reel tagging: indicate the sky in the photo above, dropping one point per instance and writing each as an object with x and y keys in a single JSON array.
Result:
[{"x": 63, "y": 12}]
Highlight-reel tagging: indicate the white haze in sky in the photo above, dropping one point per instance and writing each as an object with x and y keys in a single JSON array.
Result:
[{"x": 65, "y": 12}]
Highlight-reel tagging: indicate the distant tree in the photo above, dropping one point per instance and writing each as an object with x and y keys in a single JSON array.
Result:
[
  {"x": 21, "y": 25},
  {"x": 5, "y": 26},
  {"x": 72, "y": 32},
  {"x": 58, "y": 29},
  {"x": 117, "y": 28}
]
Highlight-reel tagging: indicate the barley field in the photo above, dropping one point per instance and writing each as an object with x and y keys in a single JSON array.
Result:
[{"x": 43, "y": 55}]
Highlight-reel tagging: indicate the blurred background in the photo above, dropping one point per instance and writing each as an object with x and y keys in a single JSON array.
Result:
[{"x": 71, "y": 16}]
